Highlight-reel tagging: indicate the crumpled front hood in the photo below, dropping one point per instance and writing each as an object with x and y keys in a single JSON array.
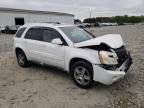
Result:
[{"x": 112, "y": 40}]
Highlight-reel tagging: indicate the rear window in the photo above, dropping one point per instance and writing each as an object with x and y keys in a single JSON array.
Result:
[{"x": 20, "y": 32}]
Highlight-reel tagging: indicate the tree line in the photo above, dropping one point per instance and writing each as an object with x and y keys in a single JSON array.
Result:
[{"x": 116, "y": 19}]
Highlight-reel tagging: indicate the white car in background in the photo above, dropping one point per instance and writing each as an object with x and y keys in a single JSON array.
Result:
[{"x": 87, "y": 58}]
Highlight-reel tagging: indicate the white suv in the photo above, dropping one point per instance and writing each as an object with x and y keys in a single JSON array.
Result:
[{"x": 87, "y": 58}]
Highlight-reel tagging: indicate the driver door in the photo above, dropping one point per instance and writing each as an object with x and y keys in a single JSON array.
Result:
[{"x": 52, "y": 54}]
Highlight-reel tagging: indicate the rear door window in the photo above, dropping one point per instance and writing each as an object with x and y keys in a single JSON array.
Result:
[
  {"x": 34, "y": 34},
  {"x": 20, "y": 32}
]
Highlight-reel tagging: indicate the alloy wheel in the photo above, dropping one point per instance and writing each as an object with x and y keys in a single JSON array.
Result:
[{"x": 81, "y": 75}]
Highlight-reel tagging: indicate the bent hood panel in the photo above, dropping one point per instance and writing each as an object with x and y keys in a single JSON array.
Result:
[{"x": 112, "y": 40}]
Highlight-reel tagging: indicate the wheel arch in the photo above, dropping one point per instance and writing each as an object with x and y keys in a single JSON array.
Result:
[
  {"x": 18, "y": 49},
  {"x": 76, "y": 59}
]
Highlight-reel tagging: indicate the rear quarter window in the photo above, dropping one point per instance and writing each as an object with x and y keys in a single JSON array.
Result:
[{"x": 20, "y": 32}]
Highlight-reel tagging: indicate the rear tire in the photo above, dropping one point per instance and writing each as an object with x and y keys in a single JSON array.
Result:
[
  {"x": 82, "y": 74},
  {"x": 22, "y": 59}
]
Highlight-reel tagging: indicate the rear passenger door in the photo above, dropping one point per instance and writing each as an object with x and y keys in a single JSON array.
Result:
[{"x": 32, "y": 43}]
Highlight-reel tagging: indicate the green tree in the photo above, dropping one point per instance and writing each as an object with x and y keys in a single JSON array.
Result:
[{"x": 117, "y": 19}]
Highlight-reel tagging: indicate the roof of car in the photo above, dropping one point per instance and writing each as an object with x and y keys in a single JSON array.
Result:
[{"x": 45, "y": 24}]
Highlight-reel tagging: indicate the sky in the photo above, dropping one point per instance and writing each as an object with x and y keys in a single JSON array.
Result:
[{"x": 81, "y": 8}]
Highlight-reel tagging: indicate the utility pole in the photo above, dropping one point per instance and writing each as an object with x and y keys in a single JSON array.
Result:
[{"x": 90, "y": 14}]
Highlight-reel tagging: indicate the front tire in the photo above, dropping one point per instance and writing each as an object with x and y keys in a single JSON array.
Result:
[
  {"x": 22, "y": 59},
  {"x": 82, "y": 74}
]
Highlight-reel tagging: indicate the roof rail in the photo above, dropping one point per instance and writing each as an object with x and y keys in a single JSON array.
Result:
[{"x": 52, "y": 22}]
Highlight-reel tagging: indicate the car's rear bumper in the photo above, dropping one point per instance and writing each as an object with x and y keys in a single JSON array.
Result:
[{"x": 107, "y": 77}]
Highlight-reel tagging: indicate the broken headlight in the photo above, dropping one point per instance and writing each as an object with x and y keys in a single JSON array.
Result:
[{"x": 109, "y": 58}]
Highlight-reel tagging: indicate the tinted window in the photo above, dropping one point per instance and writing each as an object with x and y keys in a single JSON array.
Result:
[
  {"x": 20, "y": 32},
  {"x": 34, "y": 34},
  {"x": 49, "y": 35}
]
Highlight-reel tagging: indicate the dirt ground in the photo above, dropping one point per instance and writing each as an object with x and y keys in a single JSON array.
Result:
[{"x": 46, "y": 87}]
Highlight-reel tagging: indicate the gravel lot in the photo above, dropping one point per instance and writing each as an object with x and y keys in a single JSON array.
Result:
[{"x": 46, "y": 87}]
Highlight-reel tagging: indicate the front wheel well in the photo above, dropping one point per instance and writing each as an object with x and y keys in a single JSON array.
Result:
[{"x": 74, "y": 60}]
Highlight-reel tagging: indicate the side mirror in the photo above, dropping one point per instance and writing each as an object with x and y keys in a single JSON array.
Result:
[{"x": 57, "y": 41}]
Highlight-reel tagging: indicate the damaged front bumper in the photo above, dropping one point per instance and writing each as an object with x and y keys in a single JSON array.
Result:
[
  {"x": 110, "y": 75},
  {"x": 126, "y": 65}
]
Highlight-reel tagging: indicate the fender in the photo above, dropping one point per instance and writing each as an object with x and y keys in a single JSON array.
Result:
[{"x": 86, "y": 54}]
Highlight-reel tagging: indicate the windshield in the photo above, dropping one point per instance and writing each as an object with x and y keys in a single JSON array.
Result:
[{"x": 75, "y": 34}]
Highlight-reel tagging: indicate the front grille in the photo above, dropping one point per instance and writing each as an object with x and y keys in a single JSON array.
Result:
[{"x": 122, "y": 55}]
